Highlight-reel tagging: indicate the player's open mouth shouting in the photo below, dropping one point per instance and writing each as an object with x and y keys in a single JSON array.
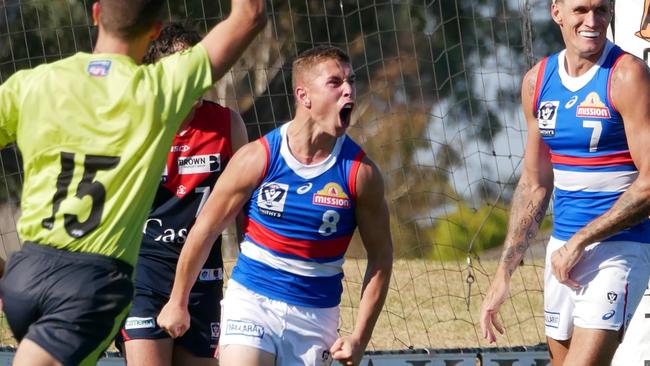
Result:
[{"x": 345, "y": 114}]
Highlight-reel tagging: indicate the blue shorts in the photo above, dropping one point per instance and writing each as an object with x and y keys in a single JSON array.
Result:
[
  {"x": 201, "y": 338},
  {"x": 71, "y": 304}
]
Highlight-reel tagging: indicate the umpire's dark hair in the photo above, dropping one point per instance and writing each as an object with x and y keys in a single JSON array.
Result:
[
  {"x": 128, "y": 19},
  {"x": 173, "y": 37}
]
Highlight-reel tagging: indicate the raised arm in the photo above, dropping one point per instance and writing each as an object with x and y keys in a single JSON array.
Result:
[
  {"x": 229, "y": 195},
  {"x": 227, "y": 41},
  {"x": 528, "y": 207},
  {"x": 374, "y": 227},
  {"x": 630, "y": 94}
]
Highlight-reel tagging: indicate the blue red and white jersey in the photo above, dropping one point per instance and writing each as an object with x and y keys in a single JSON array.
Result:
[
  {"x": 195, "y": 160},
  {"x": 298, "y": 224},
  {"x": 591, "y": 160}
]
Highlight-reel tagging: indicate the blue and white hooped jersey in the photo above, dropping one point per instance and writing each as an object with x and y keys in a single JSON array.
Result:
[
  {"x": 299, "y": 223},
  {"x": 591, "y": 160}
]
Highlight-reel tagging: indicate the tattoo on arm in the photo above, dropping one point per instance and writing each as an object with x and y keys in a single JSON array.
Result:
[
  {"x": 526, "y": 215},
  {"x": 531, "y": 87},
  {"x": 531, "y": 82},
  {"x": 630, "y": 209}
]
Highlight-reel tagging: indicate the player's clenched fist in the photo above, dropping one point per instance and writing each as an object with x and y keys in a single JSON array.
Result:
[
  {"x": 174, "y": 319},
  {"x": 347, "y": 350},
  {"x": 563, "y": 260}
]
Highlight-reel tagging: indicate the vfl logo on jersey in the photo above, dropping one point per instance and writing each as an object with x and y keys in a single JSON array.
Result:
[
  {"x": 592, "y": 107},
  {"x": 199, "y": 164},
  {"x": 99, "y": 68},
  {"x": 331, "y": 195},
  {"x": 546, "y": 117},
  {"x": 271, "y": 198}
]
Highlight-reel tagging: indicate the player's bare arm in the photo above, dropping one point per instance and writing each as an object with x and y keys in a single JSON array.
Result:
[
  {"x": 230, "y": 193},
  {"x": 533, "y": 191},
  {"x": 373, "y": 223},
  {"x": 630, "y": 94},
  {"x": 238, "y": 134},
  {"x": 239, "y": 138},
  {"x": 227, "y": 41},
  {"x": 528, "y": 206}
]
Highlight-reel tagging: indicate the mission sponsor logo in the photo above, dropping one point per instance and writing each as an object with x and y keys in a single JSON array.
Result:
[
  {"x": 199, "y": 164},
  {"x": 99, "y": 68},
  {"x": 139, "y": 323},
  {"x": 592, "y": 107},
  {"x": 331, "y": 195},
  {"x": 271, "y": 198},
  {"x": 546, "y": 117}
]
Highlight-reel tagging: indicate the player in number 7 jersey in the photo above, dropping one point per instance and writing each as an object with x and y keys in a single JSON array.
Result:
[
  {"x": 94, "y": 131},
  {"x": 588, "y": 114}
]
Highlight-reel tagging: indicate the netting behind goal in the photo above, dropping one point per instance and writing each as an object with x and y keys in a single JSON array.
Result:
[{"x": 437, "y": 109}]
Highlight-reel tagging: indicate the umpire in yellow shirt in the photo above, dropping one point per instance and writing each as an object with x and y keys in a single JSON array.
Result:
[{"x": 94, "y": 130}]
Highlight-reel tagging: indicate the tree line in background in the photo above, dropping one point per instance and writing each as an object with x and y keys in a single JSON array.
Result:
[{"x": 420, "y": 66}]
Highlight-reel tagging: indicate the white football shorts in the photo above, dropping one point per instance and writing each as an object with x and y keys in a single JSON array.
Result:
[
  {"x": 613, "y": 275},
  {"x": 296, "y": 335}
]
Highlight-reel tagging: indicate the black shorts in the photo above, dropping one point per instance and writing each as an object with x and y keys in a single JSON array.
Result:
[
  {"x": 71, "y": 304},
  {"x": 201, "y": 338}
]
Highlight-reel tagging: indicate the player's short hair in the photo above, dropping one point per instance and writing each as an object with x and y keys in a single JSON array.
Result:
[
  {"x": 173, "y": 37},
  {"x": 314, "y": 56},
  {"x": 127, "y": 19}
]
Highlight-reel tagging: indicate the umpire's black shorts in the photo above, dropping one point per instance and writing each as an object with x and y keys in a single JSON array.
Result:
[{"x": 71, "y": 304}]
